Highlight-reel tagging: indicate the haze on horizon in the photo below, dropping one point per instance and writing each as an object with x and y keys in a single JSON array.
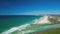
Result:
[{"x": 29, "y": 7}]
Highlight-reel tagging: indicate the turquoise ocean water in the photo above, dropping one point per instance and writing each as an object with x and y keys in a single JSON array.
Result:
[
  {"x": 23, "y": 24},
  {"x": 9, "y": 21}
]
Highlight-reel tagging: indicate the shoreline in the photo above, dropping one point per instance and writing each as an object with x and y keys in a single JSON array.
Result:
[
  {"x": 43, "y": 20},
  {"x": 48, "y": 19}
]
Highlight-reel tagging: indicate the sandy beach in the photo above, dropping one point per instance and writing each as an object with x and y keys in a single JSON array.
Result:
[{"x": 43, "y": 20}]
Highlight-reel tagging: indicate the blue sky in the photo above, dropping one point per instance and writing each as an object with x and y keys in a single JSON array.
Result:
[{"x": 29, "y": 7}]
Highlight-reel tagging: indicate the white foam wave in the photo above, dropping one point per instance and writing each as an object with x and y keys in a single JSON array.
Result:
[{"x": 15, "y": 28}]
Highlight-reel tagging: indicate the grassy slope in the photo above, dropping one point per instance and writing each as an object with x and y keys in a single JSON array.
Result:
[{"x": 53, "y": 31}]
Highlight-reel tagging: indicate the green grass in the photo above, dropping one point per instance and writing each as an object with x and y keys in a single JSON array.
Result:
[{"x": 53, "y": 31}]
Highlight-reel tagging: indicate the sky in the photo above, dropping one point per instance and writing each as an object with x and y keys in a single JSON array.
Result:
[{"x": 29, "y": 7}]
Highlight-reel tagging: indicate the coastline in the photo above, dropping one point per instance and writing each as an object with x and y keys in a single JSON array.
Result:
[
  {"x": 43, "y": 20},
  {"x": 48, "y": 19}
]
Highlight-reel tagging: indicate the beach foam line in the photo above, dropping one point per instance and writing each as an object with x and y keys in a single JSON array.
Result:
[
  {"x": 15, "y": 28},
  {"x": 36, "y": 20}
]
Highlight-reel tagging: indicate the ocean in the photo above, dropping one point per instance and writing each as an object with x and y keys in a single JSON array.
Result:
[
  {"x": 24, "y": 24},
  {"x": 9, "y": 21}
]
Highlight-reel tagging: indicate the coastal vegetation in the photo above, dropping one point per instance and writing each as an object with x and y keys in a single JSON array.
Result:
[{"x": 53, "y": 20}]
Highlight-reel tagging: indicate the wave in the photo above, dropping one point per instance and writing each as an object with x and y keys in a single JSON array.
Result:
[
  {"x": 15, "y": 28},
  {"x": 20, "y": 28}
]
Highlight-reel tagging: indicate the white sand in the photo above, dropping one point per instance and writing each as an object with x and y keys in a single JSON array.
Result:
[{"x": 43, "y": 20}]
